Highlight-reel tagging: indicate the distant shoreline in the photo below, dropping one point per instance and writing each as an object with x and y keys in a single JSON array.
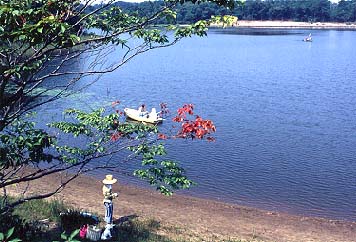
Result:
[{"x": 293, "y": 25}]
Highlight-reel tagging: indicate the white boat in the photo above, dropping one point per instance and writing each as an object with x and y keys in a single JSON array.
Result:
[
  {"x": 308, "y": 39},
  {"x": 146, "y": 117}
]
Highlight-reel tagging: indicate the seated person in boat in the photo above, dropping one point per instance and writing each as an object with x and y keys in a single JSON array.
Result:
[{"x": 142, "y": 110}]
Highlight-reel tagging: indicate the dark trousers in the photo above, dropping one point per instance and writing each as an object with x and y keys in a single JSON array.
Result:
[{"x": 108, "y": 212}]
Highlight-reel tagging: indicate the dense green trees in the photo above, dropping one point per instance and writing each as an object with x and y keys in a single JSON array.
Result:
[
  {"x": 345, "y": 11},
  {"x": 308, "y": 10},
  {"x": 305, "y": 10}
]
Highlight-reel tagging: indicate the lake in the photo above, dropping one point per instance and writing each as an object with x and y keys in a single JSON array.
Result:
[{"x": 285, "y": 112}]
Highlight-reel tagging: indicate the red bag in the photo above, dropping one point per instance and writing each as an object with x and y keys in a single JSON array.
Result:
[{"x": 83, "y": 231}]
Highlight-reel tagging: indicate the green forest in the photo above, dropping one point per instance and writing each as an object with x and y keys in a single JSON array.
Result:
[{"x": 295, "y": 10}]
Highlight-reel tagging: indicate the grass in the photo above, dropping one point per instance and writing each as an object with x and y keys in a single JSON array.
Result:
[
  {"x": 30, "y": 213},
  {"x": 31, "y": 218},
  {"x": 36, "y": 210}
]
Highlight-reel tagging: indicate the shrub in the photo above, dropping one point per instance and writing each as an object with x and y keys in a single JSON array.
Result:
[
  {"x": 26, "y": 231},
  {"x": 74, "y": 219},
  {"x": 25, "y": 219}
]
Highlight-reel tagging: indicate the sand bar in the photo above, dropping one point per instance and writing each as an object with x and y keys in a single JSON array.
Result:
[{"x": 293, "y": 24}]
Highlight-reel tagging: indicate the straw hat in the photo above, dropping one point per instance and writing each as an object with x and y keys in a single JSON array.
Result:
[{"x": 109, "y": 180}]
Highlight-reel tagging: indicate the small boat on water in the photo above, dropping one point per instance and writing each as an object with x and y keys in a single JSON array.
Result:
[
  {"x": 146, "y": 117},
  {"x": 308, "y": 39}
]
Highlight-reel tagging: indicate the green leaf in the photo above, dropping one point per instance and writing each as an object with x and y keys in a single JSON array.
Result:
[
  {"x": 39, "y": 30},
  {"x": 74, "y": 38},
  {"x": 63, "y": 28},
  {"x": 64, "y": 236},
  {"x": 1, "y": 237},
  {"x": 10, "y": 232},
  {"x": 101, "y": 149},
  {"x": 22, "y": 37},
  {"x": 73, "y": 234}
]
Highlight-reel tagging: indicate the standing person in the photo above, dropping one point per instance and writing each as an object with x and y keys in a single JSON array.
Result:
[{"x": 108, "y": 197}]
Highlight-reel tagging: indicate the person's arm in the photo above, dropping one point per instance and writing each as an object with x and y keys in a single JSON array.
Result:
[{"x": 109, "y": 195}]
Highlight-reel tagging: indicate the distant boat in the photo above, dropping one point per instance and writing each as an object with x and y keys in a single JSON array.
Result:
[
  {"x": 308, "y": 39},
  {"x": 146, "y": 117}
]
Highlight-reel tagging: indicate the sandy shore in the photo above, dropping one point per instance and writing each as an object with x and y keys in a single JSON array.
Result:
[
  {"x": 292, "y": 24},
  {"x": 194, "y": 219}
]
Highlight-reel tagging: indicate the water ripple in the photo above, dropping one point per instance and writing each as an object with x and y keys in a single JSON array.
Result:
[{"x": 285, "y": 112}]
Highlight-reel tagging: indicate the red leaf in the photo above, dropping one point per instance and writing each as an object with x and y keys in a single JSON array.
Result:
[
  {"x": 115, "y": 136},
  {"x": 162, "y": 136}
]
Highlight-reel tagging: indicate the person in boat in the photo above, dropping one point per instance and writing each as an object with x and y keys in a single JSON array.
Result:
[
  {"x": 142, "y": 110},
  {"x": 308, "y": 38}
]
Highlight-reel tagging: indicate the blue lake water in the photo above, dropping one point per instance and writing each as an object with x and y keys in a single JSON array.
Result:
[{"x": 285, "y": 112}]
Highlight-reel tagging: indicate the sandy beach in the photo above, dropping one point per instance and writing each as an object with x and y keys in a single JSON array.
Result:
[
  {"x": 194, "y": 219},
  {"x": 293, "y": 24}
]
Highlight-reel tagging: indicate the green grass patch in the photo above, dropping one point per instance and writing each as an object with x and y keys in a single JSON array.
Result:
[
  {"x": 31, "y": 219},
  {"x": 26, "y": 220},
  {"x": 36, "y": 210}
]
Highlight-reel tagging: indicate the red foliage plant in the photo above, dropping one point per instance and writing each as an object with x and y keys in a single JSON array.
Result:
[{"x": 197, "y": 128}]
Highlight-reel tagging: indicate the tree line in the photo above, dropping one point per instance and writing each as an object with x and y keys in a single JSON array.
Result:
[
  {"x": 295, "y": 10},
  {"x": 305, "y": 10}
]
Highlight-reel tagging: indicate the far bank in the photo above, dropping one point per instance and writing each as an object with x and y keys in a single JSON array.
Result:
[{"x": 294, "y": 24}]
